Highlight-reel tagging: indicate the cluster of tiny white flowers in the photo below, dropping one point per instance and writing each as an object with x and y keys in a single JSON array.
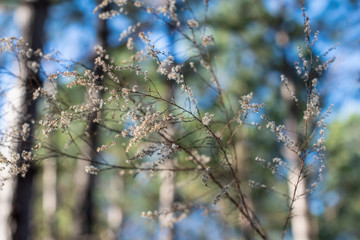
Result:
[
  {"x": 33, "y": 66},
  {"x": 91, "y": 169},
  {"x": 25, "y": 131},
  {"x": 9, "y": 165},
  {"x": 164, "y": 65},
  {"x": 206, "y": 120},
  {"x": 149, "y": 151},
  {"x": 281, "y": 136},
  {"x": 246, "y": 106},
  {"x": 178, "y": 212},
  {"x": 128, "y": 31},
  {"x": 105, "y": 147},
  {"x": 254, "y": 184},
  {"x": 145, "y": 125},
  {"x": 176, "y": 74},
  {"x": 137, "y": 4},
  {"x": 313, "y": 109},
  {"x": 150, "y": 214},
  {"x": 207, "y": 40},
  {"x": 13, "y": 165},
  {"x": 135, "y": 88},
  {"x": 130, "y": 43},
  {"x": 109, "y": 14},
  {"x": 272, "y": 165},
  {"x": 192, "y": 23}
]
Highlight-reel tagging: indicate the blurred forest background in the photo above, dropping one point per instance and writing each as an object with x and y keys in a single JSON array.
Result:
[{"x": 255, "y": 42}]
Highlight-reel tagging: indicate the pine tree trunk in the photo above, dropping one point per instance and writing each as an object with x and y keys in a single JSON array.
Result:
[
  {"x": 31, "y": 16},
  {"x": 166, "y": 200}
]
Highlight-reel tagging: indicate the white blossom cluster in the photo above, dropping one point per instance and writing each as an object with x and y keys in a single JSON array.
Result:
[
  {"x": 91, "y": 169},
  {"x": 246, "y": 107},
  {"x": 206, "y": 120},
  {"x": 193, "y": 23},
  {"x": 208, "y": 40}
]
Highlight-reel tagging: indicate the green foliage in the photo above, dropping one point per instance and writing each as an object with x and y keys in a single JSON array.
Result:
[{"x": 342, "y": 208}]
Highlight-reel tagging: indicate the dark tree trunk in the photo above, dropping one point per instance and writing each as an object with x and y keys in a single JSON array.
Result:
[{"x": 33, "y": 19}]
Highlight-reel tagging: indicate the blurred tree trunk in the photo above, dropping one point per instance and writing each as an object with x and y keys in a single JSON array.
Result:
[
  {"x": 301, "y": 223},
  {"x": 300, "y": 220},
  {"x": 85, "y": 182},
  {"x": 166, "y": 200},
  {"x": 167, "y": 186},
  {"x": 49, "y": 193},
  {"x": 49, "y": 197},
  {"x": 31, "y": 16}
]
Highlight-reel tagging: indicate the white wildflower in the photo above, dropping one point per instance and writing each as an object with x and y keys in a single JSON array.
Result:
[
  {"x": 193, "y": 23},
  {"x": 130, "y": 43},
  {"x": 91, "y": 169},
  {"x": 206, "y": 120}
]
